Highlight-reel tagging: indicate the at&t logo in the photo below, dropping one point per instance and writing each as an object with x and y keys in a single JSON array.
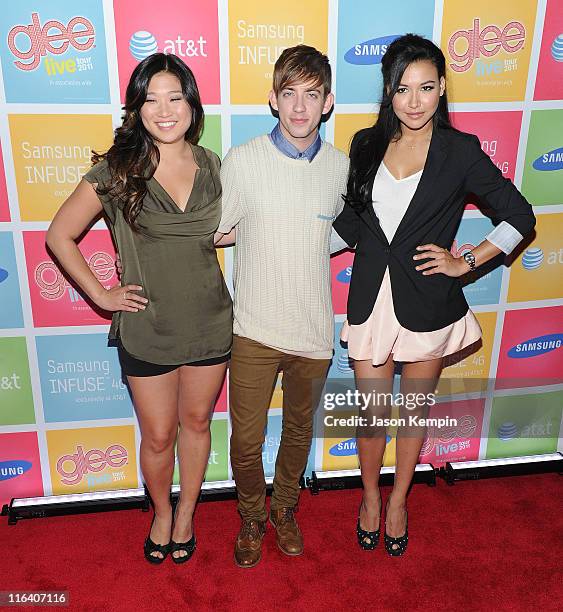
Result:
[
  {"x": 144, "y": 43},
  {"x": 29, "y": 43},
  {"x": 534, "y": 257},
  {"x": 542, "y": 428},
  {"x": 73, "y": 468},
  {"x": 475, "y": 43},
  {"x": 557, "y": 49},
  {"x": 53, "y": 284}
]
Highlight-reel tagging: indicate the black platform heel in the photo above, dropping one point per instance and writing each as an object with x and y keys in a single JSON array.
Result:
[
  {"x": 150, "y": 547},
  {"x": 368, "y": 540},
  {"x": 188, "y": 547},
  {"x": 397, "y": 546}
]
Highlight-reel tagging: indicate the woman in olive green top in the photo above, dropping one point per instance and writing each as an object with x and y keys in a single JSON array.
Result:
[{"x": 161, "y": 196}]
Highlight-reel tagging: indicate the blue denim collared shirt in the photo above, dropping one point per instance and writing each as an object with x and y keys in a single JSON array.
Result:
[{"x": 283, "y": 145}]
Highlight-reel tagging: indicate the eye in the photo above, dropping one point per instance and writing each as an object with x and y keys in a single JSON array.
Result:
[
  {"x": 314, "y": 95},
  {"x": 428, "y": 88},
  {"x": 286, "y": 94},
  {"x": 401, "y": 90},
  {"x": 176, "y": 99}
]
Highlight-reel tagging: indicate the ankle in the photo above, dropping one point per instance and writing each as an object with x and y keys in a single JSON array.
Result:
[
  {"x": 163, "y": 514},
  {"x": 396, "y": 501}
]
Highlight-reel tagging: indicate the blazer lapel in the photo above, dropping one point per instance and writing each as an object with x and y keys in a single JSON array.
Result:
[
  {"x": 369, "y": 217},
  {"x": 437, "y": 153}
]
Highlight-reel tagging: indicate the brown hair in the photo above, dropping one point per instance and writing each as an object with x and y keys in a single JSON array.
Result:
[{"x": 302, "y": 63}]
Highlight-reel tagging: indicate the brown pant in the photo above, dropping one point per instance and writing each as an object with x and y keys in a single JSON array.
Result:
[{"x": 253, "y": 373}]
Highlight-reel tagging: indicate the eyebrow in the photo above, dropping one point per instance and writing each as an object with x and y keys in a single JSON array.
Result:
[
  {"x": 174, "y": 91},
  {"x": 425, "y": 83},
  {"x": 291, "y": 88}
]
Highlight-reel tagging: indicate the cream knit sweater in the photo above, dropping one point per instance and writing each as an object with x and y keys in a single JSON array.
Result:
[{"x": 283, "y": 210}]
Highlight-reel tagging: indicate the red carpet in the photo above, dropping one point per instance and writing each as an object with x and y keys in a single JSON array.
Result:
[{"x": 480, "y": 545}]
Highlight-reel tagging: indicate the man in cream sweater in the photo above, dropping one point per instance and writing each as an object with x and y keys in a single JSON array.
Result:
[{"x": 281, "y": 193}]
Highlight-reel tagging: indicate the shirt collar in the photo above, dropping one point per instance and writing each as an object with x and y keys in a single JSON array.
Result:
[{"x": 285, "y": 147}]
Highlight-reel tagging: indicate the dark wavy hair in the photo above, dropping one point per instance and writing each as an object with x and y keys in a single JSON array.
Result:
[
  {"x": 372, "y": 143},
  {"x": 133, "y": 157}
]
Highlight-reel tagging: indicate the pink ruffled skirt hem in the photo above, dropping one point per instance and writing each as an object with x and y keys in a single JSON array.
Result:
[{"x": 382, "y": 335}]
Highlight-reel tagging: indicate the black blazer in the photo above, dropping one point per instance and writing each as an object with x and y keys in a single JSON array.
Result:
[{"x": 455, "y": 166}]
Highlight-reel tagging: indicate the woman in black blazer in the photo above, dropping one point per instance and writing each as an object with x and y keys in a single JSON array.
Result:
[{"x": 409, "y": 175}]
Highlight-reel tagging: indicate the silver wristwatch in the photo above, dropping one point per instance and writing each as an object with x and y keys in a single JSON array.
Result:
[{"x": 470, "y": 259}]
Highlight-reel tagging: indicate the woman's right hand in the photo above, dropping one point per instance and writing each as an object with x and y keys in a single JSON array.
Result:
[{"x": 122, "y": 298}]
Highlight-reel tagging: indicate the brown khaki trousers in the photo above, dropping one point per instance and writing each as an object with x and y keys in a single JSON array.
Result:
[{"x": 252, "y": 377}]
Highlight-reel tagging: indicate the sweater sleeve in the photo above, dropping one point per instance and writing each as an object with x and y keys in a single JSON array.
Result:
[
  {"x": 484, "y": 179},
  {"x": 231, "y": 202}
]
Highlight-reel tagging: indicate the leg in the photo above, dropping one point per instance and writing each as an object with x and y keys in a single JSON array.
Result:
[
  {"x": 199, "y": 386},
  {"x": 155, "y": 400},
  {"x": 301, "y": 384},
  {"x": 370, "y": 441},
  {"x": 253, "y": 373},
  {"x": 417, "y": 377}
]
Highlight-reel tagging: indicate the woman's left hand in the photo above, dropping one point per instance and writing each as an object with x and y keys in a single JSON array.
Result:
[{"x": 441, "y": 261}]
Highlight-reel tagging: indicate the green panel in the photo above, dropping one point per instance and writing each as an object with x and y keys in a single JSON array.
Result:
[
  {"x": 544, "y": 136},
  {"x": 16, "y": 399},
  {"x": 525, "y": 424}
]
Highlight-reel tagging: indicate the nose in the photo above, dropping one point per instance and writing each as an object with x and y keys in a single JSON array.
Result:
[
  {"x": 163, "y": 108},
  {"x": 299, "y": 102},
  {"x": 414, "y": 101}
]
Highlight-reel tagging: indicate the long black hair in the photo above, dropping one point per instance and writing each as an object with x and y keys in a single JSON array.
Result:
[
  {"x": 371, "y": 144},
  {"x": 133, "y": 157}
]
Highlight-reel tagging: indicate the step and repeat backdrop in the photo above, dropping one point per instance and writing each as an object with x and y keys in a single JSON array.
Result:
[{"x": 67, "y": 422}]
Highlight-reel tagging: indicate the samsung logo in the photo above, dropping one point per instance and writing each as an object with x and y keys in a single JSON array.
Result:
[
  {"x": 345, "y": 275},
  {"x": 13, "y": 469},
  {"x": 347, "y": 448},
  {"x": 549, "y": 161},
  {"x": 3, "y": 275},
  {"x": 536, "y": 346},
  {"x": 369, "y": 52}
]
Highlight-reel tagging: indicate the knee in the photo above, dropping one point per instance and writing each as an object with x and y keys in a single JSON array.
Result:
[
  {"x": 245, "y": 449},
  {"x": 158, "y": 442},
  {"x": 198, "y": 424}
]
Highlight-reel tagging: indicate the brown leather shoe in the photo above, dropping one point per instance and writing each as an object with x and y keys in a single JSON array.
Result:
[
  {"x": 248, "y": 546},
  {"x": 288, "y": 535}
]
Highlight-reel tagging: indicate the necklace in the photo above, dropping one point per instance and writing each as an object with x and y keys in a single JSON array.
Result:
[{"x": 413, "y": 146}]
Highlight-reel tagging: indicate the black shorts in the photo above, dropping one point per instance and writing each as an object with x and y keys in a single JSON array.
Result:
[{"x": 130, "y": 366}]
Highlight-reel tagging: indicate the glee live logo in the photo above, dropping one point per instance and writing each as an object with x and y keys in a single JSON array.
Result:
[
  {"x": 53, "y": 37},
  {"x": 53, "y": 284},
  {"x": 487, "y": 43},
  {"x": 93, "y": 461}
]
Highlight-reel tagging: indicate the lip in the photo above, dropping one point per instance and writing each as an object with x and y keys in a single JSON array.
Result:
[
  {"x": 415, "y": 115},
  {"x": 166, "y": 125},
  {"x": 299, "y": 121}
]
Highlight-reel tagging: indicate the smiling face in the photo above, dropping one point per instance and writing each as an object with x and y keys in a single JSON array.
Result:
[
  {"x": 166, "y": 114},
  {"x": 418, "y": 94},
  {"x": 300, "y": 106}
]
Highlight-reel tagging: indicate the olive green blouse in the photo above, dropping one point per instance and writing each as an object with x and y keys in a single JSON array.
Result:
[{"x": 172, "y": 256}]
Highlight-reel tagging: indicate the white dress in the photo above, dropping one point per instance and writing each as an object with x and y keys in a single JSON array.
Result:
[{"x": 381, "y": 334}]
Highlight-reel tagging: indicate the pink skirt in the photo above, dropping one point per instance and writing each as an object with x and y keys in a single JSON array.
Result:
[{"x": 382, "y": 335}]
